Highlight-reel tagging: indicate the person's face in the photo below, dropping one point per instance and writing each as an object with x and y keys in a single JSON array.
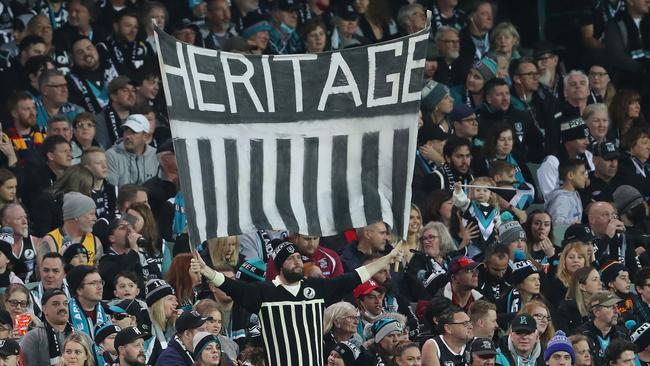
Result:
[
  {"x": 482, "y": 18},
  {"x": 84, "y": 130},
  {"x": 475, "y": 81},
  {"x": 461, "y": 159},
  {"x": 74, "y": 354},
  {"x": 505, "y": 42},
  {"x": 415, "y": 222},
  {"x": 430, "y": 68},
  {"x": 547, "y": 62},
  {"x": 125, "y": 97},
  {"x": 372, "y": 302},
  {"x": 125, "y": 288},
  {"x": 259, "y": 40},
  {"x": 531, "y": 284},
  {"x": 580, "y": 177},
  {"x": 622, "y": 282},
  {"x": 389, "y": 342},
  {"x": 606, "y": 314},
  {"x": 293, "y": 266},
  {"x": 25, "y": 113},
  {"x": 644, "y": 291},
  {"x": 542, "y": 318},
  {"x": 519, "y": 244},
  {"x": 79, "y": 259},
  {"x": 598, "y": 78},
  {"x": 626, "y": 359},
  {"x": 159, "y": 15},
  {"x": 461, "y": 327},
  {"x": 134, "y": 352},
  {"x": 481, "y": 193},
  {"x": 97, "y": 165},
  {"x": 187, "y": 35},
  {"x": 361, "y": 6},
  {"x": 8, "y": 190},
  {"x": 214, "y": 324},
  {"x": 127, "y": 28},
  {"x": 446, "y": 105},
  {"x": 170, "y": 306},
  {"x": 445, "y": 209},
  {"x": 108, "y": 344},
  {"x": 410, "y": 357},
  {"x": 499, "y": 98},
  {"x": 641, "y": 149},
  {"x": 334, "y": 359},
  {"x": 56, "y": 310},
  {"x": 579, "y": 145},
  {"x": 134, "y": 141},
  {"x": 230, "y": 248},
  {"x": 51, "y": 273},
  {"x": 307, "y": 245},
  {"x": 9, "y": 360},
  {"x": 219, "y": 14},
  {"x": 467, "y": 127},
  {"x": 41, "y": 26},
  {"x": 17, "y": 303},
  {"x": 289, "y": 18},
  {"x": 467, "y": 278},
  {"x": 85, "y": 55},
  {"x": 348, "y": 321},
  {"x": 638, "y": 6},
  {"x": 449, "y": 45},
  {"x": 377, "y": 235},
  {"x": 577, "y": 89},
  {"x": 523, "y": 342},
  {"x": 528, "y": 77},
  {"x": 634, "y": 109},
  {"x": 87, "y": 220},
  {"x": 592, "y": 284},
  {"x": 497, "y": 266},
  {"x": 150, "y": 88},
  {"x": 598, "y": 124},
  {"x": 60, "y": 128},
  {"x": 211, "y": 354},
  {"x": 15, "y": 216},
  {"x": 599, "y": 217},
  {"x": 61, "y": 156},
  {"x": 484, "y": 360},
  {"x": 574, "y": 261},
  {"x": 316, "y": 40},
  {"x": 56, "y": 90},
  {"x": 541, "y": 226},
  {"x": 418, "y": 20},
  {"x": 583, "y": 353},
  {"x": 504, "y": 143},
  {"x": 91, "y": 288},
  {"x": 606, "y": 168},
  {"x": 560, "y": 358}
]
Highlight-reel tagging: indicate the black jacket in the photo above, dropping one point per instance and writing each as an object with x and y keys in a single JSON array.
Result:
[
  {"x": 590, "y": 331},
  {"x": 567, "y": 316}
]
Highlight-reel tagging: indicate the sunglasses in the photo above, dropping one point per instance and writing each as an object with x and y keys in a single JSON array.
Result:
[{"x": 121, "y": 316}]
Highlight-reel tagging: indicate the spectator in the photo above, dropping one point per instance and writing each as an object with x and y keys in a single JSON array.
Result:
[
  {"x": 255, "y": 30},
  {"x": 483, "y": 315},
  {"x": 564, "y": 203},
  {"x": 640, "y": 339},
  {"x": 77, "y": 351},
  {"x": 526, "y": 284},
  {"x": 82, "y": 18},
  {"x": 372, "y": 239},
  {"x": 474, "y": 39},
  {"x": 602, "y": 88},
  {"x": 183, "y": 283},
  {"x": 572, "y": 258},
  {"x": 52, "y": 276},
  {"x": 582, "y": 349},
  {"x": 129, "y": 345},
  {"x": 122, "y": 254},
  {"x": 539, "y": 231},
  {"x": 283, "y": 39},
  {"x": 59, "y": 125},
  {"x": 340, "y": 324},
  {"x": 616, "y": 279},
  {"x": 369, "y": 297},
  {"x": 471, "y": 92},
  {"x": 188, "y": 324},
  {"x": 560, "y": 351},
  {"x": 386, "y": 332},
  {"x": 455, "y": 330},
  {"x": 84, "y": 135},
  {"x": 54, "y": 98},
  {"x": 121, "y": 99},
  {"x": 596, "y": 118},
  {"x": 56, "y": 157},
  {"x": 314, "y": 36},
  {"x": 551, "y": 69},
  {"x": 425, "y": 273},
  {"x": 450, "y": 69},
  {"x": 576, "y": 94},
  {"x": 631, "y": 167},
  {"x": 207, "y": 350},
  {"x": 504, "y": 40},
  {"x": 609, "y": 231},
  {"x": 461, "y": 289},
  {"x": 218, "y": 17},
  {"x": 24, "y": 133},
  {"x": 493, "y": 273},
  {"x": 376, "y": 23},
  {"x": 123, "y": 49},
  {"x": 626, "y": 113},
  {"x": 522, "y": 343},
  {"x": 634, "y": 214},
  {"x": 641, "y": 308},
  {"x": 24, "y": 246},
  {"x": 542, "y": 315},
  {"x": 103, "y": 193},
  {"x": 620, "y": 352},
  {"x": 413, "y": 233},
  {"x": 411, "y": 18},
  {"x": 605, "y": 160},
  {"x": 481, "y": 351},
  {"x": 326, "y": 259},
  {"x": 86, "y": 288},
  {"x": 133, "y": 150},
  {"x": 105, "y": 342},
  {"x": 209, "y": 309},
  {"x": 345, "y": 33}
]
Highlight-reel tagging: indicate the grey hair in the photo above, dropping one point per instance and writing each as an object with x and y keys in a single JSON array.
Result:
[
  {"x": 405, "y": 12},
  {"x": 335, "y": 311},
  {"x": 593, "y": 108},
  {"x": 505, "y": 27},
  {"x": 575, "y": 73},
  {"x": 446, "y": 242},
  {"x": 443, "y": 30}
]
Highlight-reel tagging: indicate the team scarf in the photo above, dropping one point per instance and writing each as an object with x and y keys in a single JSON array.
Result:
[
  {"x": 438, "y": 21},
  {"x": 81, "y": 323},
  {"x": 484, "y": 215},
  {"x": 54, "y": 348},
  {"x": 114, "y": 124},
  {"x": 187, "y": 355}
]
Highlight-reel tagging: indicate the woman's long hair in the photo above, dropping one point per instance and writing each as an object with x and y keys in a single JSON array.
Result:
[
  {"x": 76, "y": 178},
  {"x": 78, "y": 338},
  {"x": 562, "y": 273},
  {"x": 217, "y": 250},
  {"x": 550, "y": 329},
  {"x": 619, "y": 107},
  {"x": 150, "y": 229},
  {"x": 490, "y": 147},
  {"x": 575, "y": 293},
  {"x": 179, "y": 278},
  {"x": 529, "y": 230}
]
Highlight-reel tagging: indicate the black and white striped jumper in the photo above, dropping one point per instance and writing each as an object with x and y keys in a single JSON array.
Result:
[{"x": 291, "y": 317}]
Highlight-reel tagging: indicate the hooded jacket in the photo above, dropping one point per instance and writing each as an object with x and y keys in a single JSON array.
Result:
[
  {"x": 128, "y": 168},
  {"x": 565, "y": 207},
  {"x": 507, "y": 356}
]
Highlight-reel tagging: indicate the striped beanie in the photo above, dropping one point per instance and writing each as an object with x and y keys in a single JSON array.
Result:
[
  {"x": 384, "y": 327},
  {"x": 104, "y": 330},
  {"x": 348, "y": 351},
  {"x": 559, "y": 343},
  {"x": 282, "y": 252},
  {"x": 487, "y": 67},
  {"x": 201, "y": 340},
  {"x": 432, "y": 94},
  {"x": 252, "y": 270},
  {"x": 157, "y": 289}
]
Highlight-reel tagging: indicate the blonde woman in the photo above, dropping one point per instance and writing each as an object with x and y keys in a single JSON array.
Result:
[
  {"x": 76, "y": 351},
  {"x": 573, "y": 257},
  {"x": 504, "y": 40},
  {"x": 574, "y": 309},
  {"x": 223, "y": 250},
  {"x": 413, "y": 234},
  {"x": 162, "y": 306}
]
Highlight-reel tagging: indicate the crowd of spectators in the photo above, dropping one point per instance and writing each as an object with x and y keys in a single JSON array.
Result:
[{"x": 529, "y": 230}]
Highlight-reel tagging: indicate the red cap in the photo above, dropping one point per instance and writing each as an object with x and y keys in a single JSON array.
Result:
[
  {"x": 462, "y": 263},
  {"x": 366, "y": 288}
]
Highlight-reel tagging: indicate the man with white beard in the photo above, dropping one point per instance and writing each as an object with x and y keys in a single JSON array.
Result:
[
  {"x": 450, "y": 71},
  {"x": 14, "y": 217},
  {"x": 551, "y": 76}
]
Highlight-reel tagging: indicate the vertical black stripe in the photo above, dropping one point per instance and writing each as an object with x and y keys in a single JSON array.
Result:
[
  {"x": 232, "y": 185},
  {"x": 340, "y": 200},
  {"x": 186, "y": 184},
  {"x": 310, "y": 186},
  {"x": 283, "y": 185},
  {"x": 400, "y": 169},
  {"x": 370, "y": 176},
  {"x": 209, "y": 193},
  {"x": 257, "y": 184}
]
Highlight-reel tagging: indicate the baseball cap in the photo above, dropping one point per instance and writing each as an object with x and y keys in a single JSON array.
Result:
[
  {"x": 9, "y": 347},
  {"x": 367, "y": 287},
  {"x": 137, "y": 122},
  {"x": 287, "y": 5},
  {"x": 578, "y": 232},
  {"x": 462, "y": 263},
  {"x": 604, "y": 298},
  {"x": 126, "y": 306},
  {"x": 523, "y": 323},
  {"x": 128, "y": 335},
  {"x": 460, "y": 112},
  {"x": 483, "y": 346},
  {"x": 189, "y": 320},
  {"x": 119, "y": 83},
  {"x": 606, "y": 150}
]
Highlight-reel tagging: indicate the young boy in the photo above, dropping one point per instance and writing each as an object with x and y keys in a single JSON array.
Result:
[{"x": 563, "y": 204}]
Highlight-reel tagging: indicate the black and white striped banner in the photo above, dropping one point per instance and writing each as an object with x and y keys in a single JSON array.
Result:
[{"x": 314, "y": 144}]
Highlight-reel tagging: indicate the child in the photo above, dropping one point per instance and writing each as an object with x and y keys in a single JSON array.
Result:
[
  {"x": 514, "y": 201},
  {"x": 563, "y": 204},
  {"x": 483, "y": 208}
]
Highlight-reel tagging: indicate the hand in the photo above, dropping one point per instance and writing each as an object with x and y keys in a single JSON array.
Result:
[
  {"x": 547, "y": 247},
  {"x": 457, "y": 187},
  {"x": 429, "y": 153},
  {"x": 7, "y": 148},
  {"x": 132, "y": 238},
  {"x": 471, "y": 231},
  {"x": 521, "y": 215},
  {"x": 396, "y": 255},
  {"x": 639, "y": 251},
  {"x": 197, "y": 265},
  {"x": 614, "y": 226}
]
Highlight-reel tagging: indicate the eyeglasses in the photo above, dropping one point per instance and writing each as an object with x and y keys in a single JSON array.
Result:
[
  {"x": 540, "y": 317},
  {"x": 351, "y": 317},
  {"x": 95, "y": 283},
  {"x": 486, "y": 357},
  {"x": 533, "y": 74},
  {"x": 470, "y": 120},
  {"x": 466, "y": 323},
  {"x": 121, "y": 316},
  {"x": 429, "y": 237},
  {"x": 85, "y": 125},
  {"x": 18, "y": 303}
]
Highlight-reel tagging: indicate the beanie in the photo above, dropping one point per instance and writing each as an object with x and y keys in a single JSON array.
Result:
[
  {"x": 610, "y": 271},
  {"x": 521, "y": 270},
  {"x": 157, "y": 289},
  {"x": 76, "y": 276},
  {"x": 559, "y": 343},
  {"x": 282, "y": 252},
  {"x": 487, "y": 67},
  {"x": 574, "y": 129},
  {"x": 201, "y": 340},
  {"x": 511, "y": 231},
  {"x": 252, "y": 270},
  {"x": 76, "y": 204},
  {"x": 72, "y": 250},
  {"x": 384, "y": 327},
  {"x": 641, "y": 336},
  {"x": 104, "y": 330},
  {"x": 432, "y": 94},
  {"x": 626, "y": 198},
  {"x": 348, "y": 351}
]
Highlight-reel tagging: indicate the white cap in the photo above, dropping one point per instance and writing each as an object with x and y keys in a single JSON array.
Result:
[{"x": 137, "y": 122}]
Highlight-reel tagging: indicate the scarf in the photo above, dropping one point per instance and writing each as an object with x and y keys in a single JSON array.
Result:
[
  {"x": 484, "y": 215},
  {"x": 520, "y": 360},
  {"x": 54, "y": 348},
  {"x": 187, "y": 355},
  {"x": 114, "y": 123},
  {"x": 81, "y": 323}
]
